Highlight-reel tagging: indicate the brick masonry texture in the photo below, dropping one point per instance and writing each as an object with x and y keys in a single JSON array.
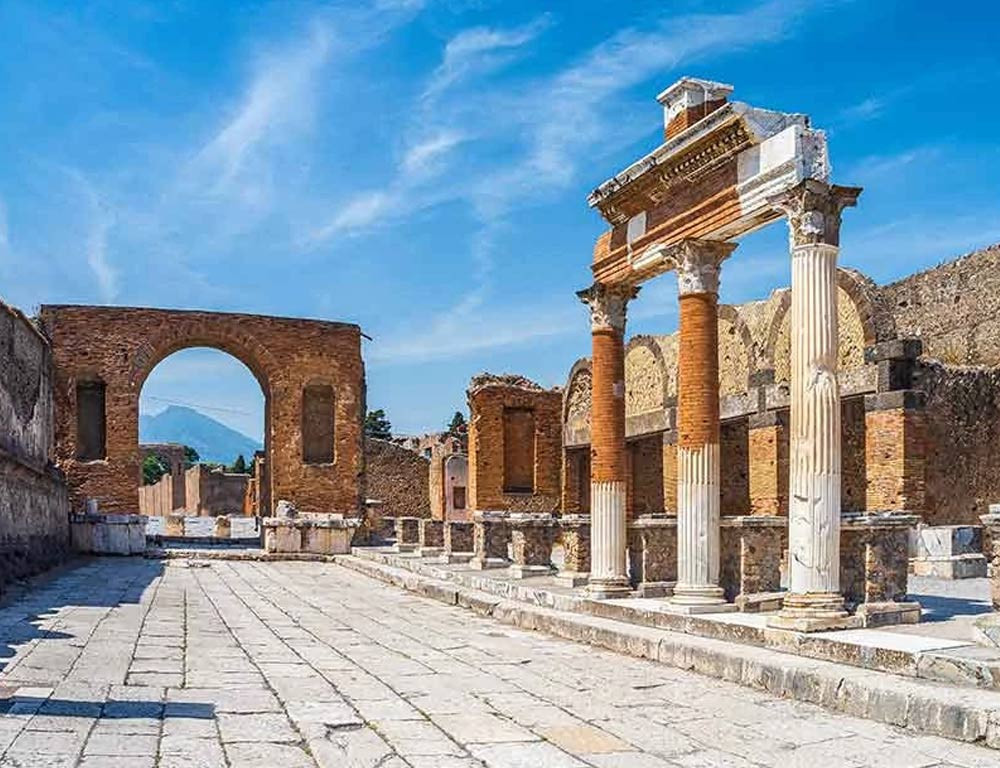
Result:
[
  {"x": 122, "y": 345},
  {"x": 488, "y": 396},
  {"x": 398, "y": 477},
  {"x": 873, "y": 563},
  {"x": 953, "y": 309},
  {"x": 34, "y": 504}
]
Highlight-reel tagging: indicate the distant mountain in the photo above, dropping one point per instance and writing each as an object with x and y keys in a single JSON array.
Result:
[{"x": 213, "y": 441}]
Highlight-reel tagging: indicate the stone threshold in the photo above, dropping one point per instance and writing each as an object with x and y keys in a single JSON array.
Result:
[
  {"x": 956, "y": 663},
  {"x": 922, "y": 706}
]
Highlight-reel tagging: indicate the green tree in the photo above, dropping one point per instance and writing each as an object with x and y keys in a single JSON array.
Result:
[
  {"x": 153, "y": 468},
  {"x": 239, "y": 466},
  {"x": 191, "y": 456},
  {"x": 377, "y": 425},
  {"x": 458, "y": 425}
]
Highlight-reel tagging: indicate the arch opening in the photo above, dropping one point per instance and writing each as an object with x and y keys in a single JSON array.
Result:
[{"x": 203, "y": 429}]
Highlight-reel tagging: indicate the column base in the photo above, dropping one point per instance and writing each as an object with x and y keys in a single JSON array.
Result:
[
  {"x": 689, "y": 599},
  {"x": 525, "y": 571},
  {"x": 814, "y": 612},
  {"x": 488, "y": 563},
  {"x": 608, "y": 589},
  {"x": 572, "y": 579},
  {"x": 451, "y": 558}
]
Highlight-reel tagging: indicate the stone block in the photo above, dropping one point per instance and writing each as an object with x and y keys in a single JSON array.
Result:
[
  {"x": 222, "y": 528},
  {"x": 751, "y": 548},
  {"x": 652, "y": 554},
  {"x": 532, "y": 537},
  {"x": 407, "y": 534},
  {"x": 100, "y": 534},
  {"x": 490, "y": 540},
  {"x": 574, "y": 533},
  {"x": 991, "y": 529},
  {"x": 173, "y": 525},
  {"x": 431, "y": 538},
  {"x": 874, "y": 559}
]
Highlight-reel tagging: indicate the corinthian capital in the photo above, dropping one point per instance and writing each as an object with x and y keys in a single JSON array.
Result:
[
  {"x": 608, "y": 305},
  {"x": 697, "y": 264},
  {"x": 813, "y": 210}
]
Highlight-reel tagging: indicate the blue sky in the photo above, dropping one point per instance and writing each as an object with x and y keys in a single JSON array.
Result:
[{"x": 422, "y": 168}]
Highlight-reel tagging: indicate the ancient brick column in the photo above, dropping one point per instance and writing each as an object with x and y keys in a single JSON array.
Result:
[
  {"x": 698, "y": 470},
  {"x": 608, "y": 577},
  {"x": 814, "y": 601}
]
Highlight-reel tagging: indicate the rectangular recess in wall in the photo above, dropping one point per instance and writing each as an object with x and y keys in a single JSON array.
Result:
[
  {"x": 318, "y": 424},
  {"x": 518, "y": 450},
  {"x": 458, "y": 496},
  {"x": 91, "y": 426}
]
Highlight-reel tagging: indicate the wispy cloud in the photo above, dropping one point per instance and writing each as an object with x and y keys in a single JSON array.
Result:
[
  {"x": 278, "y": 104},
  {"x": 535, "y": 135},
  {"x": 98, "y": 220}
]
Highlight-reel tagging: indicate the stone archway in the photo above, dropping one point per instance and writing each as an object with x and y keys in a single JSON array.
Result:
[{"x": 119, "y": 347}]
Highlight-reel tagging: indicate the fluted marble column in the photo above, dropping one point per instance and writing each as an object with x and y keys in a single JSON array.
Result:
[
  {"x": 814, "y": 601},
  {"x": 697, "y": 263},
  {"x": 608, "y": 575}
]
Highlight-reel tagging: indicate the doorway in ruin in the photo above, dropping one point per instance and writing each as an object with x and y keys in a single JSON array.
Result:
[{"x": 202, "y": 419}]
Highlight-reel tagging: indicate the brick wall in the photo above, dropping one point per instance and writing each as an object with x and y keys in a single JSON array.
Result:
[
  {"x": 399, "y": 478},
  {"x": 734, "y": 449},
  {"x": 34, "y": 503},
  {"x": 853, "y": 467},
  {"x": 122, "y": 345},
  {"x": 488, "y": 397},
  {"x": 645, "y": 489}
]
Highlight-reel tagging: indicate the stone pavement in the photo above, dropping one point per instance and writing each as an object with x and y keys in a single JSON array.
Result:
[{"x": 135, "y": 663}]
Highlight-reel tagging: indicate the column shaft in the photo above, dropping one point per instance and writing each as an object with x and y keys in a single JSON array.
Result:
[
  {"x": 608, "y": 575},
  {"x": 814, "y": 461},
  {"x": 607, "y": 445}
]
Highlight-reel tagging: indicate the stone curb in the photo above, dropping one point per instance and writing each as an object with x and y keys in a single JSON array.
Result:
[
  {"x": 977, "y": 667},
  {"x": 961, "y": 714}
]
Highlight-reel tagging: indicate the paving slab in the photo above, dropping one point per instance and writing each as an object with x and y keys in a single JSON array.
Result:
[{"x": 308, "y": 664}]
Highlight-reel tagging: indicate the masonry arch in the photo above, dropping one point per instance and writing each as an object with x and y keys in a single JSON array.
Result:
[{"x": 123, "y": 345}]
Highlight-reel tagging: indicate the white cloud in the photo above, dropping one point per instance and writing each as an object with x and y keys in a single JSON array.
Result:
[
  {"x": 420, "y": 157},
  {"x": 100, "y": 217},
  {"x": 278, "y": 104},
  {"x": 478, "y": 50},
  {"x": 875, "y": 166}
]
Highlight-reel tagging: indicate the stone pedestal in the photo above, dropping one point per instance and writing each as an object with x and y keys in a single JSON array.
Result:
[
  {"x": 574, "y": 532},
  {"x": 100, "y": 534},
  {"x": 531, "y": 538},
  {"x": 407, "y": 534},
  {"x": 173, "y": 525},
  {"x": 991, "y": 541},
  {"x": 222, "y": 528},
  {"x": 652, "y": 547},
  {"x": 431, "y": 538},
  {"x": 947, "y": 551},
  {"x": 319, "y": 534},
  {"x": 874, "y": 558},
  {"x": 458, "y": 541},
  {"x": 752, "y": 548},
  {"x": 490, "y": 537}
]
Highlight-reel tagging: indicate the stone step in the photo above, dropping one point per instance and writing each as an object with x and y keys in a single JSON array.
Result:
[{"x": 953, "y": 712}]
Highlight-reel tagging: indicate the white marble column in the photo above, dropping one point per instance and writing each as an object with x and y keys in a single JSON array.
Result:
[
  {"x": 697, "y": 263},
  {"x": 814, "y": 601},
  {"x": 608, "y": 574}
]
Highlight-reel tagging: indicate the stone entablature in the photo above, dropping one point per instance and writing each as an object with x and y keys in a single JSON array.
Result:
[{"x": 713, "y": 178}]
